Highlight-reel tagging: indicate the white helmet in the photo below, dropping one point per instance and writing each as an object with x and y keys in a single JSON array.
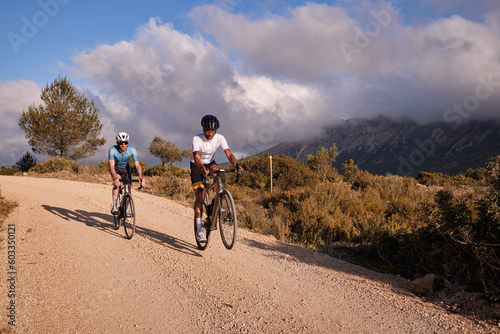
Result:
[{"x": 122, "y": 136}]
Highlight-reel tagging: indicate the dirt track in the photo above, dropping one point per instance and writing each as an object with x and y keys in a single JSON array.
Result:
[{"x": 75, "y": 274}]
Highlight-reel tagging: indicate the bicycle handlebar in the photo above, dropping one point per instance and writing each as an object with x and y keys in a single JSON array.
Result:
[{"x": 130, "y": 182}]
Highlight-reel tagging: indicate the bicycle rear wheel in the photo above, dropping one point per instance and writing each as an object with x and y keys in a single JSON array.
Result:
[
  {"x": 228, "y": 223},
  {"x": 129, "y": 217},
  {"x": 205, "y": 224}
]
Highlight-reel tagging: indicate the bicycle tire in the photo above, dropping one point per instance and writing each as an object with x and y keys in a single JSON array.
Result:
[
  {"x": 228, "y": 222},
  {"x": 205, "y": 224},
  {"x": 117, "y": 218},
  {"x": 129, "y": 224},
  {"x": 116, "y": 221}
]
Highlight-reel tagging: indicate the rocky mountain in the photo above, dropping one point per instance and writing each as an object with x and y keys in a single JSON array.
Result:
[{"x": 383, "y": 145}]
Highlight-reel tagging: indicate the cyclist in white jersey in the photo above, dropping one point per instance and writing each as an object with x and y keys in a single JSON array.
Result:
[
  {"x": 205, "y": 145},
  {"x": 119, "y": 167}
]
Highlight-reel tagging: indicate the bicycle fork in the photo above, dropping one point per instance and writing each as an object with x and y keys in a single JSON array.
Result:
[{"x": 215, "y": 211}]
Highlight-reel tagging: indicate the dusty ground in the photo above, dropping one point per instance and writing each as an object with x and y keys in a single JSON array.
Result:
[{"x": 74, "y": 274}]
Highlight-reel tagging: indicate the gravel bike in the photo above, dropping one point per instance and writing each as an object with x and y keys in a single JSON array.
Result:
[
  {"x": 126, "y": 209},
  {"x": 218, "y": 207}
]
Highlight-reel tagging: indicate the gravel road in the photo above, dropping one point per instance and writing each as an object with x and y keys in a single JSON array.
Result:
[{"x": 74, "y": 273}]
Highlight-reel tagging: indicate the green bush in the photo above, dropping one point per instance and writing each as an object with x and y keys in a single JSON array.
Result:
[
  {"x": 158, "y": 170},
  {"x": 430, "y": 179},
  {"x": 27, "y": 161},
  {"x": 8, "y": 170},
  {"x": 459, "y": 241},
  {"x": 288, "y": 173},
  {"x": 57, "y": 165},
  {"x": 171, "y": 186}
]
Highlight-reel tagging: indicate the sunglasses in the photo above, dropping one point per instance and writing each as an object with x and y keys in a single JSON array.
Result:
[{"x": 123, "y": 142}]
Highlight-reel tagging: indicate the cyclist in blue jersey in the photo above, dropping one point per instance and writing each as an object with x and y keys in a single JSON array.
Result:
[
  {"x": 118, "y": 159},
  {"x": 204, "y": 147}
]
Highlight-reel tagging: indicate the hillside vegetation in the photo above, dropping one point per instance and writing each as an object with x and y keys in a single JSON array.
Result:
[{"x": 434, "y": 223}]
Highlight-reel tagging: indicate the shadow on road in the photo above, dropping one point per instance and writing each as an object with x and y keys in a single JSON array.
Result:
[
  {"x": 104, "y": 222},
  {"x": 167, "y": 241},
  {"x": 276, "y": 249},
  {"x": 93, "y": 219}
]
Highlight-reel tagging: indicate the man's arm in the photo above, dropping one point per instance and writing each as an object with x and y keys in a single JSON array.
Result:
[
  {"x": 139, "y": 172},
  {"x": 197, "y": 162},
  {"x": 232, "y": 160}
]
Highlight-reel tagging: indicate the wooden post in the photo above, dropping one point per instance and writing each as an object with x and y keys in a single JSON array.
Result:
[{"x": 271, "y": 168}]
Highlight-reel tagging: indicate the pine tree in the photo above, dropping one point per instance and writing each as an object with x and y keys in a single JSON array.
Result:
[
  {"x": 27, "y": 161},
  {"x": 66, "y": 126}
]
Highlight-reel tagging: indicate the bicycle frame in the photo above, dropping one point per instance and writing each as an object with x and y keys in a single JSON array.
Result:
[
  {"x": 125, "y": 197},
  {"x": 217, "y": 183},
  {"x": 223, "y": 210},
  {"x": 122, "y": 192}
]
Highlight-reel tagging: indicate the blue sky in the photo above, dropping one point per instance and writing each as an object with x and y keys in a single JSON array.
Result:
[
  {"x": 73, "y": 26},
  {"x": 271, "y": 70}
]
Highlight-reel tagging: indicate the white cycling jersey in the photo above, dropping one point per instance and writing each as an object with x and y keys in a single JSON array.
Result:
[{"x": 207, "y": 148}]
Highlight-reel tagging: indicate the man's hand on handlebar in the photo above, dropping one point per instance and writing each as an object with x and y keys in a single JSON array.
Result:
[{"x": 238, "y": 168}]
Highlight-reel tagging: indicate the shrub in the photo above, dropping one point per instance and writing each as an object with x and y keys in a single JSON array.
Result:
[
  {"x": 57, "y": 165},
  {"x": 458, "y": 241},
  {"x": 169, "y": 184},
  {"x": 431, "y": 179},
  {"x": 27, "y": 161},
  {"x": 160, "y": 170},
  {"x": 6, "y": 207},
  {"x": 288, "y": 173},
  {"x": 104, "y": 165},
  {"x": 8, "y": 170}
]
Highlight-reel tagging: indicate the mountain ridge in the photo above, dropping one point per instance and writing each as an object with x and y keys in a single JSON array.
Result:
[{"x": 384, "y": 145}]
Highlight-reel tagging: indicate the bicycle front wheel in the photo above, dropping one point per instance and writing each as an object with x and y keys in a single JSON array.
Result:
[
  {"x": 129, "y": 217},
  {"x": 205, "y": 224},
  {"x": 228, "y": 223},
  {"x": 116, "y": 221}
]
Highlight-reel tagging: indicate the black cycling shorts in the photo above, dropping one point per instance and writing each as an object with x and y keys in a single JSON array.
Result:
[
  {"x": 125, "y": 173},
  {"x": 196, "y": 177}
]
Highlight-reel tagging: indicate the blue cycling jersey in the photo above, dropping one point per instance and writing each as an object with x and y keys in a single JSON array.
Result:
[{"x": 121, "y": 160}]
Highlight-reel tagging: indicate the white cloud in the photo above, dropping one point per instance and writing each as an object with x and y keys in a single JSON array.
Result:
[
  {"x": 164, "y": 82},
  {"x": 15, "y": 96},
  {"x": 367, "y": 64},
  {"x": 304, "y": 45}
]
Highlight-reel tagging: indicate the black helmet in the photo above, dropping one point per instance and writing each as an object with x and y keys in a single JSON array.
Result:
[{"x": 210, "y": 122}]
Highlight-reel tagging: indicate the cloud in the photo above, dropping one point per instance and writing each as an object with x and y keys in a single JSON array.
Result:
[
  {"x": 471, "y": 10},
  {"x": 303, "y": 45},
  {"x": 15, "y": 96},
  {"x": 368, "y": 61},
  {"x": 164, "y": 81}
]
